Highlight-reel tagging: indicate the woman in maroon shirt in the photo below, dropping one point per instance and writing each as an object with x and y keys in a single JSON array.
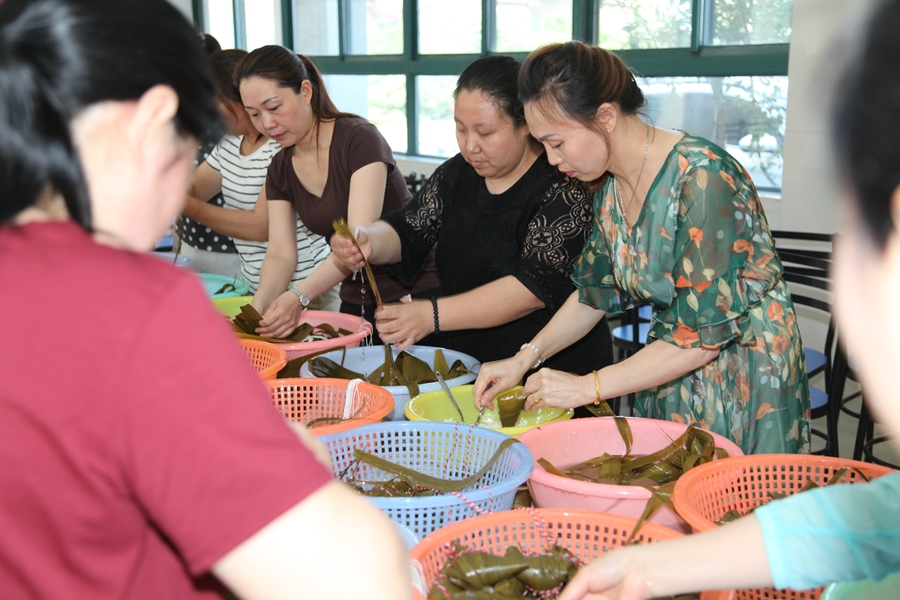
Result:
[{"x": 334, "y": 165}]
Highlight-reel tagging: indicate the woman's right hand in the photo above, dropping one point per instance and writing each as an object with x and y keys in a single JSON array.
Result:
[
  {"x": 346, "y": 252},
  {"x": 499, "y": 376},
  {"x": 282, "y": 316},
  {"x": 613, "y": 576}
]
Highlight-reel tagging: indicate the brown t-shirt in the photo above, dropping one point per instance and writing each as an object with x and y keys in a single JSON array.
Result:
[{"x": 355, "y": 143}]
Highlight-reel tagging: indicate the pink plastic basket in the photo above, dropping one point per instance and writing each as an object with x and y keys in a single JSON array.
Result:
[
  {"x": 570, "y": 442},
  {"x": 359, "y": 328},
  {"x": 707, "y": 492},
  {"x": 586, "y": 534}
]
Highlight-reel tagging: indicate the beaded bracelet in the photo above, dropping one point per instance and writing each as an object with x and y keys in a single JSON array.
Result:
[
  {"x": 437, "y": 321},
  {"x": 597, "y": 386},
  {"x": 540, "y": 359}
]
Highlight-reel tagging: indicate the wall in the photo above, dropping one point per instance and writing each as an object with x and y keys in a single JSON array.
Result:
[{"x": 823, "y": 33}]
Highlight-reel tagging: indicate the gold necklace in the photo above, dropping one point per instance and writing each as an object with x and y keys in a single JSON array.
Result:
[{"x": 634, "y": 190}]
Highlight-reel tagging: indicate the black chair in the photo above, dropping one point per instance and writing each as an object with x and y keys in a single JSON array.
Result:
[
  {"x": 629, "y": 337},
  {"x": 823, "y": 402},
  {"x": 808, "y": 257},
  {"x": 864, "y": 448},
  {"x": 415, "y": 181}
]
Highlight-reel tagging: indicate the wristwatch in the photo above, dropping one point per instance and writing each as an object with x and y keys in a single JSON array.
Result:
[{"x": 303, "y": 298}]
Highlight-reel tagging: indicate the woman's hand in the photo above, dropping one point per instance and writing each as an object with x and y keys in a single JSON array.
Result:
[
  {"x": 282, "y": 316},
  {"x": 405, "y": 323},
  {"x": 499, "y": 376},
  {"x": 559, "y": 389},
  {"x": 613, "y": 576},
  {"x": 347, "y": 254}
]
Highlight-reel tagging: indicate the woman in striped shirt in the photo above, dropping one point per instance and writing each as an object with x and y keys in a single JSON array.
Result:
[{"x": 237, "y": 167}]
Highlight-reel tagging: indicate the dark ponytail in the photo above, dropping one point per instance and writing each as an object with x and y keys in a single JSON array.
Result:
[
  {"x": 289, "y": 70},
  {"x": 58, "y": 57},
  {"x": 224, "y": 65},
  {"x": 573, "y": 80}
]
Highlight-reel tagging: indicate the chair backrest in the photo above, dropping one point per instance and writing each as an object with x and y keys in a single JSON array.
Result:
[
  {"x": 415, "y": 181},
  {"x": 836, "y": 367},
  {"x": 804, "y": 253},
  {"x": 817, "y": 304}
]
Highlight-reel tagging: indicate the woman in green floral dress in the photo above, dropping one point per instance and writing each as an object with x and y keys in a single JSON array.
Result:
[{"x": 677, "y": 225}]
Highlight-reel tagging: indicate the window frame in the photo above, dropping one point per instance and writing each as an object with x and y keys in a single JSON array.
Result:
[{"x": 699, "y": 60}]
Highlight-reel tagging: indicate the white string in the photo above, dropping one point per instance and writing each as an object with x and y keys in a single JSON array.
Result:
[{"x": 352, "y": 400}]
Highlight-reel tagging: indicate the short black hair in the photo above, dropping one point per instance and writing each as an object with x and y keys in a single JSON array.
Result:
[
  {"x": 867, "y": 122},
  {"x": 496, "y": 77}
]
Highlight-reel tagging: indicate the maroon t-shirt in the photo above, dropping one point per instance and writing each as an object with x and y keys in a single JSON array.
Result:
[
  {"x": 137, "y": 444},
  {"x": 355, "y": 143}
]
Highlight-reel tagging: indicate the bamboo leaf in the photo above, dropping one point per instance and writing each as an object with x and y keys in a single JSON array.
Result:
[
  {"x": 343, "y": 230},
  {"x": 422, "y": 480},
  {"x": 548, "y": 466},
  {"x": 659, "y": 497}
]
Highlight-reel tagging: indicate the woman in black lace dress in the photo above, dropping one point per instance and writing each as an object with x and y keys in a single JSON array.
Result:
[{"x": 507, "y": 227}]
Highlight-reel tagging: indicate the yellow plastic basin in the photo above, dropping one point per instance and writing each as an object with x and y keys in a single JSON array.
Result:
[{"x": 231, "y": 307}]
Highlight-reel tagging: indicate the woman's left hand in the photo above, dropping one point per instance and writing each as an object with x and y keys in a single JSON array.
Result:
[
  {"x": 281, "y": 318},
  {"x": 558, "y": 389},
  {"x": 405, "y": 323}
]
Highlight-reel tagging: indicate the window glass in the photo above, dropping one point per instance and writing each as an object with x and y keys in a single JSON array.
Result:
[
  {"x": 743, "y": 115},
  {"x": 638, "y": 24},
  {"x": 523, "y": 26},
  {"x": 751, "y": 21},
  {"x": 263, "y": 21},
  {"x": 449, "y": 27},
  {"x": 221, "y": 21},
  {"x": 437, "y": 129},
  {"x": 379, "y": 98},
  {"x": 316, "y": 27},
  {"x": 374, "y": 26}
]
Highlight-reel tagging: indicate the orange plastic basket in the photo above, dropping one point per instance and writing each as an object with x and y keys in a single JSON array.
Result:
[
  {"x": 585, "y": 534},
  {"x": 267, "y": 358},
  {"x": 707, "y": 492},
  {"x": 304, "y": 400}
]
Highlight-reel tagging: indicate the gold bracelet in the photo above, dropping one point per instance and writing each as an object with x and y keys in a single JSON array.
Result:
[{"x": 597, "y": 387}]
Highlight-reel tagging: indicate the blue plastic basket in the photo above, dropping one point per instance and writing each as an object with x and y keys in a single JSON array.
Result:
[{"x": 446, "y": 450}]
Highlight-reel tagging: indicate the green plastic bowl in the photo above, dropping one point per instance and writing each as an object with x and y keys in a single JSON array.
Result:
[
  {"x": 212, "y": 282},
  {"x": 436, "y": 406}
]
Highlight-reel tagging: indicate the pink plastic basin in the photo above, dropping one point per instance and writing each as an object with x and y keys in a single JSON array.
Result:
[
  {"x": 359, "y": 327},
  {"x": 568, "y": 443}
]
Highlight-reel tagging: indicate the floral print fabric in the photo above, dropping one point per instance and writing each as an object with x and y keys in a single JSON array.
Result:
[{"x": 701, "y": 254}]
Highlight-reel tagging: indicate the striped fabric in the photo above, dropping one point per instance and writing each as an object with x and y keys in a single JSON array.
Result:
[{"x": 242, "y": 179}]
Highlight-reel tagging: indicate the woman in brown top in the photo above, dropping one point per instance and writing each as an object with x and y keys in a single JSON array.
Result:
[{"x": 333, "y": 165}]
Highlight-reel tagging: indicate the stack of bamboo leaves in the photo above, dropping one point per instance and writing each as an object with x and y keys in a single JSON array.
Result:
[
  {"x": 473, "y": 575},
  {"x": 247, "y": 321}
]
